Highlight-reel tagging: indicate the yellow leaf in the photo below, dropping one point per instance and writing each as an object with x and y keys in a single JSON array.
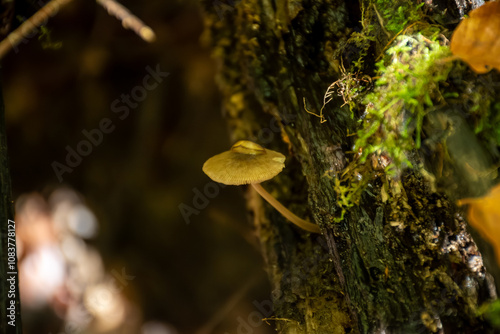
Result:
[
  {"x": 484, "y": 216},
  {"x": 476, "y": 39}
]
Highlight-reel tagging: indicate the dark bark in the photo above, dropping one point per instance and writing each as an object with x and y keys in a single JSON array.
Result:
[
  {"x": 10, "y": 321},
  {"x": 399, "y": 265}
]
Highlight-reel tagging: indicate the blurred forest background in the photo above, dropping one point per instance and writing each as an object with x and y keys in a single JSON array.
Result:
[{"x": 107, "y": 250}]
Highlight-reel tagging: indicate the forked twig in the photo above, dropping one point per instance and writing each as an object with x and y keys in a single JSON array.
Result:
[
  {"x": 328, "y": 95},
  {"x": 26, "y": 29},
  {"x": 321, "y": 117}
]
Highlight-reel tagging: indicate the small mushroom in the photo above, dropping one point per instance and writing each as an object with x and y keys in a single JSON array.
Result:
[{"x": 250, "y": 163}]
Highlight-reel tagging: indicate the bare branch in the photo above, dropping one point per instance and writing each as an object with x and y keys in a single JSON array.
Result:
[
  {"x": 25, "y": 30},
  {"x": 129, "y": 20}
]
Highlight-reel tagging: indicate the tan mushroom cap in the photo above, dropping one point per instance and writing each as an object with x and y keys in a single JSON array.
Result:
[{"x": 246, "y": 162}]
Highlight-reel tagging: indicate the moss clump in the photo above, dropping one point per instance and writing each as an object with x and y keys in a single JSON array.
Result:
[
  {"x": 398, "y": 14},
  {"x": 349, "y": 186},
  {"x": 484, "y": 114},
  {"x": 493, "y": 123},
  {"x": 406, "y": 90},
  {"x": 362, "y": 42},
  {"x": 491, "y": 311}
]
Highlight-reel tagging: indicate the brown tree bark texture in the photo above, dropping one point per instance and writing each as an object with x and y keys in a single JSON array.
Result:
[{"x": 395, "y": 266}]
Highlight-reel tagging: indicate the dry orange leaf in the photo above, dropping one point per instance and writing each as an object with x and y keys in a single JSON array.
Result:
[
  {"x": 476, "y": 40},
  {"x": 484, "y": 216}
]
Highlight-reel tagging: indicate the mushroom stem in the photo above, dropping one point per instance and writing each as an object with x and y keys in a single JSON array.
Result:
[{"x": 310, "y": 227}]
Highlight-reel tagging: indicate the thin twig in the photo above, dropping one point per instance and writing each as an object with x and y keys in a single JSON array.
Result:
[
  {"x": 281, "y": 319},
  {"x": 321, "y": 117},
  {"x": 381, "y": 21},
  {"x": 395, "y": 36},
  {"x": 229, "y": 305},
  {"x": 26, "y": 29},
  {"x": 129, "y": 20}
]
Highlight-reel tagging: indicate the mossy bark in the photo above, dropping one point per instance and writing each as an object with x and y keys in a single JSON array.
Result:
[{"x": 400, "y": 259}]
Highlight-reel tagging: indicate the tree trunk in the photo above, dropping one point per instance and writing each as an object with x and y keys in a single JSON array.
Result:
[
  {"x": 10, "y": 321},
  {"x": 395, "y": 257},
  {"x": 9, "y": 292}
]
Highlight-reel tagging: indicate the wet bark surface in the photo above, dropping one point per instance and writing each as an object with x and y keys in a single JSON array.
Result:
[{"x": 401, "y": 260}]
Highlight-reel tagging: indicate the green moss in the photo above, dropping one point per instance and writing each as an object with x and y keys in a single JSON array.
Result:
[
  {"x": 494, "y": 122},
  {"x": 45, "y": 39},
  {"x": 491, "y": 311},
  {"x": 350, "y": 186},
  {"x": 362, "y": 41},
  {"x": 485, "y": 112},
  {"x": 398, "y": 14},
  {"x": 405, "y": 91},
  {"x": 45, "y": 36}
]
